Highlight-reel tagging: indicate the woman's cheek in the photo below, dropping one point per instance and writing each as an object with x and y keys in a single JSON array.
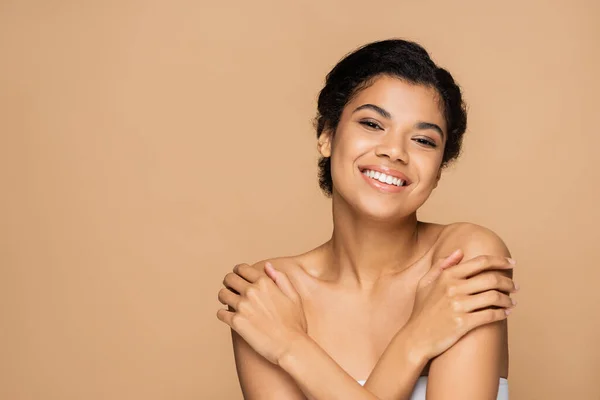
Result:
[{"x": 355, "y": 145}]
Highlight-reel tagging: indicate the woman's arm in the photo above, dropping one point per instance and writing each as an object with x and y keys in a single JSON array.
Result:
[
  {"x": 259, "y": 378},
  {"x": 315, "y": 372},
  {"x": 472, "y": 367},
  {"x": 318, "y": 374},
  {"x": 297, "y": 373},
  {"x": 305, "y": 370},
  {"x": 301, "y": 369}
]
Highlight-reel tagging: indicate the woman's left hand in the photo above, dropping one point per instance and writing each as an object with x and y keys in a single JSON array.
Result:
[{"x": 266, "y": 310}]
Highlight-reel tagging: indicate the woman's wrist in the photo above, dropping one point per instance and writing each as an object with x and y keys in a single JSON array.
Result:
[
  {"x": 416, "y": 353},
  {"x": 297, "y": 344},
  {"x": 317, "y": 374},
  {"x": 395, "y": 374}
]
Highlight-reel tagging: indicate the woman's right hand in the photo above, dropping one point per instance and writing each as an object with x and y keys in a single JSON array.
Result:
[{"x": 454, "y": 298}]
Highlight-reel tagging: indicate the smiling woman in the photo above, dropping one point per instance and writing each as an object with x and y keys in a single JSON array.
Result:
[{"x": 410, "y": 309}]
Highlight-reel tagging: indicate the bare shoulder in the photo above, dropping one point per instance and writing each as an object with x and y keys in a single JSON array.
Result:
[
  {"x": 481, "y": 356},
  {"x": 472, "y": 239},
  {"x": 297, "y": 268},
  {"x": 288, "y": 264},
  {"x": 293, "y": 267},
  {"x": 260, "y": 379}
]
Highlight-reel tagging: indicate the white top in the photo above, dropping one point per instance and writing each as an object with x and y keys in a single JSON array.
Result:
[{"x": 420, "y": 389}]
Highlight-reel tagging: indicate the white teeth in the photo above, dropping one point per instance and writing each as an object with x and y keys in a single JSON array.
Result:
[{"x": 383, "y": 178}]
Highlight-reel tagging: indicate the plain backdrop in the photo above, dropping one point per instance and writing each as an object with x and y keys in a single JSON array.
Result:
[{"x": 148, "y": 146}]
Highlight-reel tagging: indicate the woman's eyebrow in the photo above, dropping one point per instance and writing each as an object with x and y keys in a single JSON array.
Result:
[
  {"x": 428, "y": 125},
  {"x": 384, "y": 113}
]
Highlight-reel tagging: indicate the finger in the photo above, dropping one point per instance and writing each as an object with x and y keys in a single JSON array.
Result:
[
  {"x": 247, "y": 272},
  {"x": 271, "y": 272},
  {"x": 282, "y": 281},
  {"x": 483, "y": 317},
  {"x": 225, "y": 316},
  {"x": 479, "y": 264},
  {"x": 236, "y": 282},
  {"x": 228, "y": 298},
  {"x": 441, "y": 264},
  {"x": 484, "y": 300},
  {"x": 453, "y": 259},
  {"x": 489, "y": 280}
]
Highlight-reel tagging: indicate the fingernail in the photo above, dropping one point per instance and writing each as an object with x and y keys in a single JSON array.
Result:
[
  {"x": 514, "y": 302},
  {"x": 517, "y": 287},
  {"x": 507, "y": 311},
  {"x": 510, "y": 260}
]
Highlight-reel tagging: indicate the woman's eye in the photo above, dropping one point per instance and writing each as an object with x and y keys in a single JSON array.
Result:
[
  {"x": 370, "y": 124},
  {"x": 426, "y": 142}
]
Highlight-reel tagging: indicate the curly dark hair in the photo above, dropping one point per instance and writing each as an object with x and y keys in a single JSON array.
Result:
[{"x": 397, "y": 58}]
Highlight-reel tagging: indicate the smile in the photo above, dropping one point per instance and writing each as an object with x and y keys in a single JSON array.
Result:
[{"x": 383, "y": 178}]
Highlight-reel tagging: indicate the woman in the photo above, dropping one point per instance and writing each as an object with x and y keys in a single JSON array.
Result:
[{"x": 390, "y": 306}]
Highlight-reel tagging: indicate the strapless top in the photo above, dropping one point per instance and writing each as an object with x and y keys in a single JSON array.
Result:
[{"x": 420, "y": 389}]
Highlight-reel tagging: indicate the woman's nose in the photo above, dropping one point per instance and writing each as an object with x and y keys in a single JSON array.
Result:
[{"x": 393, "y": 148}]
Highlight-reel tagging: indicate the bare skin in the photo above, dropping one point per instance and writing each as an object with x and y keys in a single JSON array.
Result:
[
  {"x": 355, "y": 341},
  {"x": 358, "y": 289},
  {"x": 363, "y": 319}
]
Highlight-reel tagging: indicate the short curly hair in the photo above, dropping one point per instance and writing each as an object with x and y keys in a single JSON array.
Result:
[{"x": 397, "y": 58}]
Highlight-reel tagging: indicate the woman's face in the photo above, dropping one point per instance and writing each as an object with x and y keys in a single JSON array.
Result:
[{"x": 392, "y": 128}]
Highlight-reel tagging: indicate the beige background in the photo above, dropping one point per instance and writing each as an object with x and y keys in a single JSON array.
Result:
[{"x": 146, "y": 147}]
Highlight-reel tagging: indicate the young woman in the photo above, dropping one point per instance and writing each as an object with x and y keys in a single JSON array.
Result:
[{"x": 390, "y": 307}]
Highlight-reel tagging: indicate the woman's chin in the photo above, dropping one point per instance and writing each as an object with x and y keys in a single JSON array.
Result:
[
  {"x": 382, "y": 211},
  {"x": 378, "y": 208}
]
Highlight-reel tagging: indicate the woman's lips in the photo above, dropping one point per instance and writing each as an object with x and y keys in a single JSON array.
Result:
[
  {"x": 382, "y": 187},
  {"x": 385, "y": 170}
]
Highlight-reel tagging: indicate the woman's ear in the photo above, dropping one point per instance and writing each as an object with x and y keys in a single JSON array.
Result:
[{"x": 324, "y": 143}]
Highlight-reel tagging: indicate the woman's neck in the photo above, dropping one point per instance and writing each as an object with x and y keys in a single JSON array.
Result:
[{"x": 363, "y": 250}]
